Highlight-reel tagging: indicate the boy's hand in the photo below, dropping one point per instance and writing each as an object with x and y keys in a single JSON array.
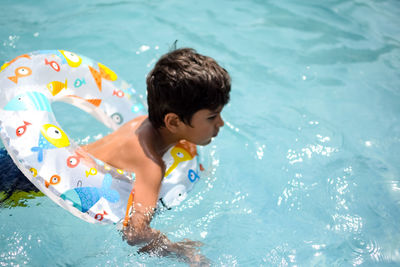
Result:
[
  {"x": 187, "y": 250},
  {"x": 138, "y": 232},
  {"x": 190, "y": 249}
]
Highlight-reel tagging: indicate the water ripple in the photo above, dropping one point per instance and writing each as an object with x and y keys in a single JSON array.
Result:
[
  {"x": 281, "y": 255},
  {"x": 364, "y": 250}
]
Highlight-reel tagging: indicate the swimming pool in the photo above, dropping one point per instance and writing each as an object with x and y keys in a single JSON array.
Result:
[{"x": 306, "y": 169}]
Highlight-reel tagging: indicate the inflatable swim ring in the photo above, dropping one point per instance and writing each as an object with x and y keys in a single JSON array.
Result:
[{"x": 53, "y": 162}]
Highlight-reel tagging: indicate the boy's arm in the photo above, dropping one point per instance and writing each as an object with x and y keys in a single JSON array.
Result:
[{"x": 147, "y": 187}]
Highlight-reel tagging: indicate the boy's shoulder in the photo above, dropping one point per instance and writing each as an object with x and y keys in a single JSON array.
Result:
[
  {"x": 129, "y": 148},
  {"x": 144, "y": 140}
]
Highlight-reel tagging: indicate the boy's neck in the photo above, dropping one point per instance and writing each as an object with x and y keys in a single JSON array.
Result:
[{"x": 166, "y": 139}]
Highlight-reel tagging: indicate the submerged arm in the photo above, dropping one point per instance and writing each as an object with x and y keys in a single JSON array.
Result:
[{"x": 138, "y": 230}]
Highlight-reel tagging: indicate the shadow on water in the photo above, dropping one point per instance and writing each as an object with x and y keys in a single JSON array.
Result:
[{"x": 15, "y": 188}]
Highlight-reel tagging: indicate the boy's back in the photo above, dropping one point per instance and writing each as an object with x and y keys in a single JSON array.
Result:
[{"x": 123, "y": 149}]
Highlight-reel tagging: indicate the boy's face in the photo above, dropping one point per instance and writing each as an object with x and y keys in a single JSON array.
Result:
[{"x": 205, "y": 125}]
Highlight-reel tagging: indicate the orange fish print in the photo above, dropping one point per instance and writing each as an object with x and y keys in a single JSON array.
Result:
[
  {"x": 95, "y": 101},
  {"x": 100, "y": 216},
  {"x": 118, "y": 93},
  {"x": 55, "y": 179},
  {"x": 52, "y": 64},
  {"x": 22, "y": 129},
  {"x": 5, "y": 65},
  {"x": 19, "y": 73},
  {"x": 104, "y": 73}
]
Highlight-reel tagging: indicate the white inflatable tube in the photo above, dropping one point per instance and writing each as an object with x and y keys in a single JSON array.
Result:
[{"x": 42, "y": 150}]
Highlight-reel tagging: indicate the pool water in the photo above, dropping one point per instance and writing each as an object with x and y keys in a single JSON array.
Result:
[{"x": 304, "y": 173}]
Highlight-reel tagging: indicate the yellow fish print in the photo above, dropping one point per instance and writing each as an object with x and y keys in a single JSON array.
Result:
[
  {"x": 55, "y": 87},
  {"x": 72, "y": 59},
  {"x": 55, "y": 135},
  {"x": 50, "y": 137},
  {"x": 183, "y": 151}
]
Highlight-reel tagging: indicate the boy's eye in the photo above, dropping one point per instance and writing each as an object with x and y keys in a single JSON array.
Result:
[{"x": 212, "y": 117}]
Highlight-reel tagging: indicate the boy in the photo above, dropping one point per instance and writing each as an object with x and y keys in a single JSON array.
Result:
[{"x": 186, "y": 93}]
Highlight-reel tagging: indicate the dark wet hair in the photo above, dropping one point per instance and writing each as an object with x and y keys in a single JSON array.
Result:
[{"x": 183, "y": 82}]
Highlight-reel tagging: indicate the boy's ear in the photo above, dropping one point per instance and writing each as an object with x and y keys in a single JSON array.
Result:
[{"x": 172, "y": 122}]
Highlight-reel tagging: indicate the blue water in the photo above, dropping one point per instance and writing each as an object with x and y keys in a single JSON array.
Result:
[{"x": 306, "y": 170}]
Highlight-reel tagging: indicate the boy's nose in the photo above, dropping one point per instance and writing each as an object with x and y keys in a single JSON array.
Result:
[{"x": 221, "y": 121}]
